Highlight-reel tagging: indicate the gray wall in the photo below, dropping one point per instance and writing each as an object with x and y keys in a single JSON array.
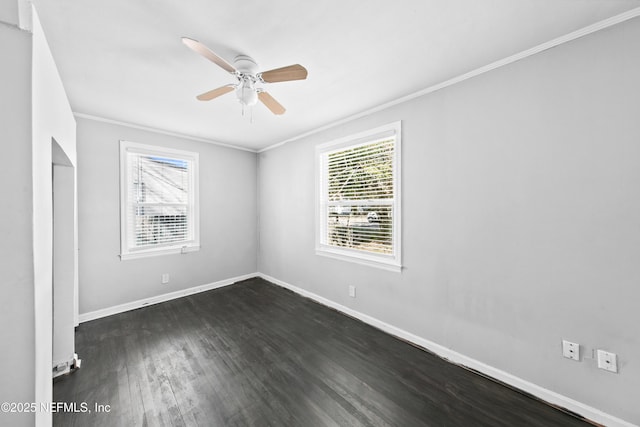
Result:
[
  {"x": 16, "y": 234},
  {"x": 9, "y": 12},
  {"x": 227, "y": 220},
  {"x": 34, "y": 109},
  {"x": 521, "y": 215}
]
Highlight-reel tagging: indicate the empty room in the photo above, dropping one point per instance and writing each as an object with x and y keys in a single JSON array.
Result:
[{"x": 413, "y": 213}]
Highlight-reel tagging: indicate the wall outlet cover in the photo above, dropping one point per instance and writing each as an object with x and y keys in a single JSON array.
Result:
[
  {"x": 607, "y": 361},
  {"x": 571, "y": 350}
]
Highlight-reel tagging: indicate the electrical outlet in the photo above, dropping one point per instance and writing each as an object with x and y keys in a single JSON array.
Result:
[
  {"x": 165, "y": 278},
  {"x": 352, "y": 291},
  {"x": 607, "y": 361},
  {"x": 571, "y": 350}
]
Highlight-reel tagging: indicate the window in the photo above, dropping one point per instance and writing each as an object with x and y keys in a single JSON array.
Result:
[
  {"x": 359, "y": 198},
  {"x": 158, "y": 200}
]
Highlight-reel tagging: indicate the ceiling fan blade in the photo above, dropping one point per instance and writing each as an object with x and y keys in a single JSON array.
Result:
[
  {"x": 284, "y": 74},
  {"x": 198, "y": 47},
  {"x": 271, "y": 103},
  {"x": 208, "y": 96}
]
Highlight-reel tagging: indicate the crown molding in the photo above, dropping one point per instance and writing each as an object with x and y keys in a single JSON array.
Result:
[
  {"x": 590, "y": 29},
  {"x": 574, "y": 35},
  {"x": 160, "y": 131}
]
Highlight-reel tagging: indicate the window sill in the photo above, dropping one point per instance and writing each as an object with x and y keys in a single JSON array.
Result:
[
  {"x": 157, "y": 252},
  {"x": 381, "y": 262}
]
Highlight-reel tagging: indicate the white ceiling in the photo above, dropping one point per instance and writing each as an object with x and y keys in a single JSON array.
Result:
[{"x": 123, "y": 60}]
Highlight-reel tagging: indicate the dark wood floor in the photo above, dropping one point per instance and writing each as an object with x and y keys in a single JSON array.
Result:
[{"x": 256, "y": 354}]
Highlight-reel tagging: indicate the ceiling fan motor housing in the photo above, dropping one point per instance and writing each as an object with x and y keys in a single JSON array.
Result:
[{"x": 245, "y": 64}]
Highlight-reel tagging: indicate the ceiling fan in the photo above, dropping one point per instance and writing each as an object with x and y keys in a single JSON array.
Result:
[{"x": 249, "y": 80}]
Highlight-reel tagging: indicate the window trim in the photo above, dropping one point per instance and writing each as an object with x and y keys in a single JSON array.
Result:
[
  {"x": 182, "y": 247},
  {"x": 391, "y": 262}
]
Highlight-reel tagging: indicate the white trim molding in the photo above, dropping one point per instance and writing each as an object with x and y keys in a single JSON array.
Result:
[
  {"x": 133, "y": 153},
  {"x": 121, "y": 308},
  {"x": 384, "y": 138},
  {"x": 589, "y": 29},
  {"x": 551, "y": 397},
  {"x": 25, "y": 15},
  {"x": 159, "y": 131},
  {"x": 542, "y": 393}
]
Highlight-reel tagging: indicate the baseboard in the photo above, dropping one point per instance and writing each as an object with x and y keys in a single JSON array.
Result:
[
  {"x": 104, "y": 312},
  {"x": 542, "y": 393}
]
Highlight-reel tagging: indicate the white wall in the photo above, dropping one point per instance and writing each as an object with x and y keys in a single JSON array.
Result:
[
  {"x": 52, "y": 119},
  {"x": 521, "y": 215},
  {"x": 16, "y": 304},
  {"x": 34, "y": 110},
  {"x": 227, "y": 220}
]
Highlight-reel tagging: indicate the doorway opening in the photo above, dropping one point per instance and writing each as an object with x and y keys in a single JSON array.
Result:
[{"x": 65, "y": 276}]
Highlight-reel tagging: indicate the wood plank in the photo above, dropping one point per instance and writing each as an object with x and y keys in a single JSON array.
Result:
[{"x": 257, "y": 354}]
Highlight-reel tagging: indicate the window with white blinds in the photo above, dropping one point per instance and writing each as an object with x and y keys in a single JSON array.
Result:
[
  {"x": 159, "y": 195},
  {"x": 359, "y": 198}
]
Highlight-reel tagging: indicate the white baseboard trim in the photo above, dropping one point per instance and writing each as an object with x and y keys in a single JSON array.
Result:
[
  {"x": 549, "y": 396},
  {"x": 104, "y": 312}
]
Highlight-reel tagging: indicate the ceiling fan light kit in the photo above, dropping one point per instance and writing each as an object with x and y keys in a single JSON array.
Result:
[
  {"x": 249, "y": 81},
  {"x": 247, "y": 94}
]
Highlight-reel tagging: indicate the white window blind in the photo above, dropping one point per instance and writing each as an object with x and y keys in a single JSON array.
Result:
[
  {"x": 359, "y": 197},
  {"x": 159, "y": 200}
]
